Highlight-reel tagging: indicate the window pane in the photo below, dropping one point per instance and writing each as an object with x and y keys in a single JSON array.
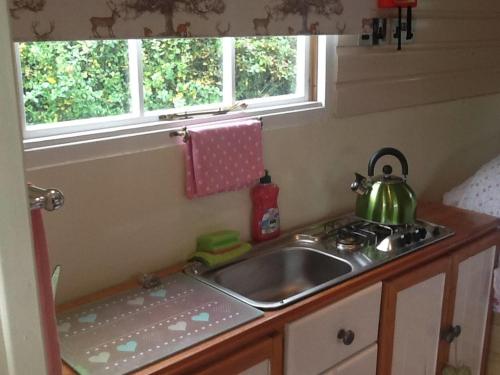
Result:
[
  {"x": 181, "y": 72},
  {"x": 74, "y": 80},
  {"x": 265, "y": 66}
]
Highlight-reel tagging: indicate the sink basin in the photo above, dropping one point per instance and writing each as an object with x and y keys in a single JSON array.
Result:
[{"x": 272, "y": 279}]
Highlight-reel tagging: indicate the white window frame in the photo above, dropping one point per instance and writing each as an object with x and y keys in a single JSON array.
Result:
[{"x": 139, "y": 120}]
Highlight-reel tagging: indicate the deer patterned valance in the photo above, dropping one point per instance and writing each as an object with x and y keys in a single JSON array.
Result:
[{"x": 131, "y": 19}]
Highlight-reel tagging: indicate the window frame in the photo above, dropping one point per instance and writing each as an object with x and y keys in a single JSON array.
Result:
[{"x": 140, "y": 119}]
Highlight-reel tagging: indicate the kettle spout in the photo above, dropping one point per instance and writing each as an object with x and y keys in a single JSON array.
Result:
[{"x": 360, "y": 185}]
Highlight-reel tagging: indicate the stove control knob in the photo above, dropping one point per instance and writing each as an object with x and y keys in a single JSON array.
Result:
[
  {"x": 419, "y": 234},
  {"x": 407, "y": 237},
  {"x": 436, "y": 231},
  {"x": 416, "y": 236},
  {"x": 400, "y": 241}
]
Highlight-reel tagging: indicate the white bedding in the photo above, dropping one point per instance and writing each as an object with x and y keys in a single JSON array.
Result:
[{"x": 481, "y": 193}]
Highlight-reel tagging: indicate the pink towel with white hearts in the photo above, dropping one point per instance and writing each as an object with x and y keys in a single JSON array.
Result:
[{"x": 223, "y": 157}]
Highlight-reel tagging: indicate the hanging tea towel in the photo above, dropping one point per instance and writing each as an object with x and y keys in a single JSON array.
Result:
[
  {"x": 45, "y": 294},
  {"x": 496, "y": 285},
  {"x": 223, "y": 157}
]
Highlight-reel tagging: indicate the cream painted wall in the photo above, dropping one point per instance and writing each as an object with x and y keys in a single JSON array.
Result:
[
  {"x": 128, "y": 214},
  {"x": 20, "y": 329}
]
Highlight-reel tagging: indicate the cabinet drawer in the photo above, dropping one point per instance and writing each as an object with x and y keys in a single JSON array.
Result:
[
  {"x": 364, "y": 363},
  {"x": 262, "y": 368},
  {"x": 311, "y": 343}
]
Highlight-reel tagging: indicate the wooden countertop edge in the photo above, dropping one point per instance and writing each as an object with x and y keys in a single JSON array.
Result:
[{"x": 273, "y": 321}]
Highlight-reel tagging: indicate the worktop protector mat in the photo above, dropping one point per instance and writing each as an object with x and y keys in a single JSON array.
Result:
[{"x": 128, "y": 331}]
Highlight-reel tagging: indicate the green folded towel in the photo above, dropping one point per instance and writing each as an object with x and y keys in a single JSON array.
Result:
[{"x": 216, "y": 259}]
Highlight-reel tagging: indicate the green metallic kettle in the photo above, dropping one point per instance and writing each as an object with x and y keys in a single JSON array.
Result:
[{"x": 385, "y": 199}]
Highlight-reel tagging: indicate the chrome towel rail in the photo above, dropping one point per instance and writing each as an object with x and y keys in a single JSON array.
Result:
[
  {"x": 48, "y": 199},
  {"x": 184, "y": 132}
]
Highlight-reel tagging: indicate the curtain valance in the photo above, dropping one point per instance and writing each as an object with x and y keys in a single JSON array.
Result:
[{"x": 132, "y": 19}]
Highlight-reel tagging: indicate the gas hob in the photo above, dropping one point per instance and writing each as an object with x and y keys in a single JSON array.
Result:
[{"x": 352, "y": 234}]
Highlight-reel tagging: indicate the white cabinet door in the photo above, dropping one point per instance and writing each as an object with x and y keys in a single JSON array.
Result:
[
  {"x": 471, "y": 309},
  {"x": 364, "y": 363},
  {"x": 262, "y": 368},
  {"x": 312, "y": 343},
  {"x": 417, "y": 327}
]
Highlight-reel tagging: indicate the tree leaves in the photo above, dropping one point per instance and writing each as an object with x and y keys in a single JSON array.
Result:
[
  {"x": 74, "y": 80},
  {"x": 265, "y": 67},
  {"x": 65, "y": 81}
]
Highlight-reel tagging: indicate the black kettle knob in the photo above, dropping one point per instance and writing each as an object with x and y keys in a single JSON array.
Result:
[
  {"x": 387, "y": 151},
  {"x": 387, "y": 169}
]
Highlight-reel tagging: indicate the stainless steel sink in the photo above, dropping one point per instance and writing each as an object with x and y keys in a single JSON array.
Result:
[
  {"x": 281, "y": 274},
  {"x": 272, "y": 278}
]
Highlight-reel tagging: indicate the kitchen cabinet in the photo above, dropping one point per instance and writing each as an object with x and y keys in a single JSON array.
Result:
[
  {"x": 328, "y": 336},
  {"x": 263, "y": 357},
  {"x": 364, "y": 363},
  {"x": 411, "y": 320},
  {"x": 471, "y": 308},
  {"x": 436, "y": 307}
]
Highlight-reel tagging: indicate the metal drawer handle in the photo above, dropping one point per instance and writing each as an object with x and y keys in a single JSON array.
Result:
[
  {"x": 347, "y": 336},
  {"x": 450, "y": 335}
]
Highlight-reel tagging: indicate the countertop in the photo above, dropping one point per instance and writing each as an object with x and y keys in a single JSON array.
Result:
[{"x": 468, "y": 226}]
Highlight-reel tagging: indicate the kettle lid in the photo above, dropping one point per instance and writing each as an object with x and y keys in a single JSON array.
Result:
[{"x": 388, "y": 177}]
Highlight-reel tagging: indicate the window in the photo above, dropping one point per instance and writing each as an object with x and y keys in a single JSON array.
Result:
[{"x": 70, "y": 87}]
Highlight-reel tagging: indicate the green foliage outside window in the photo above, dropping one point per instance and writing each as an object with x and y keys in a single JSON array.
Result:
[
  {"x": 77, "y": 80},
  {"x": 74, "y": 80},
  {"x": 265, "y": 66},
  {"x": 181, "y": 72}
]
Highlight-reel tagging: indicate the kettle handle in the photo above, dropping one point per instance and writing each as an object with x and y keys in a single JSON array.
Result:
[{"x": 387, "y": 151}]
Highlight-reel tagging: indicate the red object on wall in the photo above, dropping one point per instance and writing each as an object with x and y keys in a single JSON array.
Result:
[{"x": 397, "y": 3}]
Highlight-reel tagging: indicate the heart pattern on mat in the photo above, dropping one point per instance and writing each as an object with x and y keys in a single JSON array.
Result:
[
  {"x": 201, "y": 317},
  {"x": 139, "y": 301},
  {"x": 179, "y": 326},
  {"x": 90, "y": 318},
  {"x": 64, "y": 327},
  {"x": 128, "y": 347},
  {"x": 102, "y": 357},
  {"x": 160, "y": 293}
]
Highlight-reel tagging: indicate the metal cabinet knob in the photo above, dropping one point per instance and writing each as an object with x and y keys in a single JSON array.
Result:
[
  {"x": 347, "y": 336},
  {"x": 451, "y": 334}
]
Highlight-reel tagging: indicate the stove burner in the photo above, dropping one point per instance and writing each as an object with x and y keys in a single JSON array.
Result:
[{"x": 349, "y": 241}]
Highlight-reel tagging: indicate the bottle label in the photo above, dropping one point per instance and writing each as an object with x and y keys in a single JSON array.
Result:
[{"x": 270, "y": 221}]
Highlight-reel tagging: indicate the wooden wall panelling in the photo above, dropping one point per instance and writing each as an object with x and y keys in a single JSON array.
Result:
[
  {"x": 463, "y": 6},
  {"x": 377, "y": 64},
  {"x": 455, "y": 55},
  {"x": 377, "y": 96}
]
